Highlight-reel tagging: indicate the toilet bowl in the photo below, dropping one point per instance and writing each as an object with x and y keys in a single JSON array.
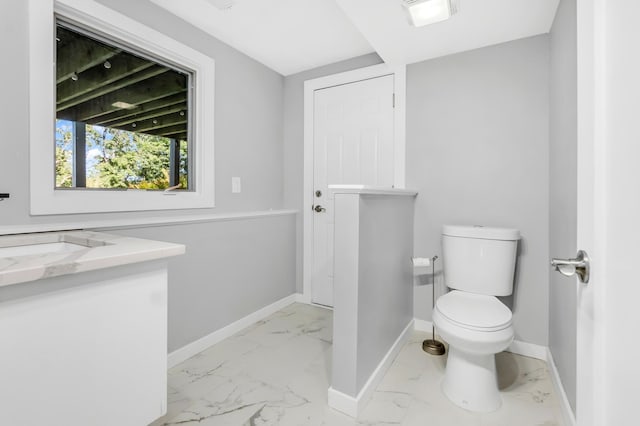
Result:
[
  {"x": 479, "y": 264},
  {"x": 476, "y": 328}
]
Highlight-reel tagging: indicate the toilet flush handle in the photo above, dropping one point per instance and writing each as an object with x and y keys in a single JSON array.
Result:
[{"x": 579, "y": 266}]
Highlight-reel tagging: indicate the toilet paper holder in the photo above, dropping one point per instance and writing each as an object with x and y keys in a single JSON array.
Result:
[
  {"x": 421, "y": 262},
  {"x": 431, "y": 346}
]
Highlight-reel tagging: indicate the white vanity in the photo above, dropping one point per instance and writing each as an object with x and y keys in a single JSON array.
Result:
[{"x": 83, "y": 329}]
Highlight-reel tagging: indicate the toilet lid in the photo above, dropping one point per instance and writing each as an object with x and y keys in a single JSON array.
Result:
[{"x": 475, "y": 311}]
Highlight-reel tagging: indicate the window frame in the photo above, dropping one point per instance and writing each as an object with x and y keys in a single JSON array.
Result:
[
  {"x": 92, "y": 34},
  {"x": 45, "y": 198}
]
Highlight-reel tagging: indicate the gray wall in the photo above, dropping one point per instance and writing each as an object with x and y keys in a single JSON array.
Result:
[
  {"x": 248, "y": 143},
  {"x": 231, "y": 269},
  {"x": 499, "y": 94},
  {"x": 478, "y": 153},
  {"x": 246, "y": 92},
  {"x": 385, "y": 296},
  {"x": 294, "y": 137},
  {"x": 563, "y": 171},
  {"x": 373, "y": 300}
]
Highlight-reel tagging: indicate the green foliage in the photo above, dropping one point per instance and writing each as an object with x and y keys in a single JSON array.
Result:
[
  {"x": 64, "y": 178},
  {"x": 114, "y": 156},
  {"x": 64, "y": 160},
  {"x": 120, "y": 159}
]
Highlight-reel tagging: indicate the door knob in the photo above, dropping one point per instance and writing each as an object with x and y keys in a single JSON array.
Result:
[
  {"x": 319, "y": 209},
  {"x": 579, "y": 266}
]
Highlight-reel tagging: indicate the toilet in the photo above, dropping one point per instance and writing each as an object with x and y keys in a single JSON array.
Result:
[{"x": 479, "y": 264}]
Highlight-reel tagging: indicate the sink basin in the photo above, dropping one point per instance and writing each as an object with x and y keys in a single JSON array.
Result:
[{"x": 31, "y": 249}]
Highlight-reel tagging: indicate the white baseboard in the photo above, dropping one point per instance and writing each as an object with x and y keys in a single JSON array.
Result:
[
  {"x": 531, "y": 350},
  {"x": 517, "y": 347},
  {"x": 354, "y": 406},
  {"x": 567, "y": 412},
  {"x": 303, "y": 298},
  {"x": 422, "y": 325},
  {"x": 342, "y": 402},
  {"x": 193, "y": 348}
]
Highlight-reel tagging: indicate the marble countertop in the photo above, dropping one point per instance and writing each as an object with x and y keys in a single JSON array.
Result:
[{"x": 91, "y": 251}]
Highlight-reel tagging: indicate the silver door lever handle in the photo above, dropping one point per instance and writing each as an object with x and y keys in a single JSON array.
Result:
[{"x": 579, "y": 266}]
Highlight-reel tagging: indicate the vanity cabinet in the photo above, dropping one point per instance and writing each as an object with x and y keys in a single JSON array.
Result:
[{"x": 86, "y": 348}]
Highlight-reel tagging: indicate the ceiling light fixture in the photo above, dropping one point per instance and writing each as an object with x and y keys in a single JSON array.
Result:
[
  {"x": 425, "y": 12},
  {"x": 123, "y": 105}
]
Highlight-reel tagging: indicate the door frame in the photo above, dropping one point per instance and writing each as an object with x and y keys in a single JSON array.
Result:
[
  {"x": 591, "y": 315},
  {"x": 399, "y": 136}
]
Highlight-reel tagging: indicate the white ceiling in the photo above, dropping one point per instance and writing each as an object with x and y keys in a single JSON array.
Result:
[
  {"x": 287, "y": 36},
  {"x": 290, "y": 36},
  {"x": 478, "y": 23}
]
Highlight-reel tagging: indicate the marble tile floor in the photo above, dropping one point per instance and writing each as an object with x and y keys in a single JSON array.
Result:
[{"x": 277, "y": 372}]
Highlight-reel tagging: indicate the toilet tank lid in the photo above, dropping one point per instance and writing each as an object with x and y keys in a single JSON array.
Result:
[{"x": 481, "y": 232}]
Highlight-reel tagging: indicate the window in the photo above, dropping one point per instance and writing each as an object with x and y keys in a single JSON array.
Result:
[{"x": 123, "y": 121}]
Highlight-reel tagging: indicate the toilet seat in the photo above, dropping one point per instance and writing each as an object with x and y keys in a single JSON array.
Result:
[{"x": 475, "y": 312}]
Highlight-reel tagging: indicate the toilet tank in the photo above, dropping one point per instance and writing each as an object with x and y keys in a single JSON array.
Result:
[{"x": 479, "y": 259}]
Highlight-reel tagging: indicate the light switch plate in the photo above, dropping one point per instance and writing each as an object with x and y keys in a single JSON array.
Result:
[{"x": 236, "y": 186}]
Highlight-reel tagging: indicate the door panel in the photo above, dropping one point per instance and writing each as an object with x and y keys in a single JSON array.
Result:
[
  {"x": 353, "y": 144},
  {"x": 608, "y": 211}
]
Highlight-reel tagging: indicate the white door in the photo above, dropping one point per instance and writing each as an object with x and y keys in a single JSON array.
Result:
[
  {"x": 352, "y": 144},
  {"x": 608, "y": 212}
]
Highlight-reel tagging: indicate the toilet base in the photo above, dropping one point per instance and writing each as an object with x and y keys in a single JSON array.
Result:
[{"x": 470, "y": 381}]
